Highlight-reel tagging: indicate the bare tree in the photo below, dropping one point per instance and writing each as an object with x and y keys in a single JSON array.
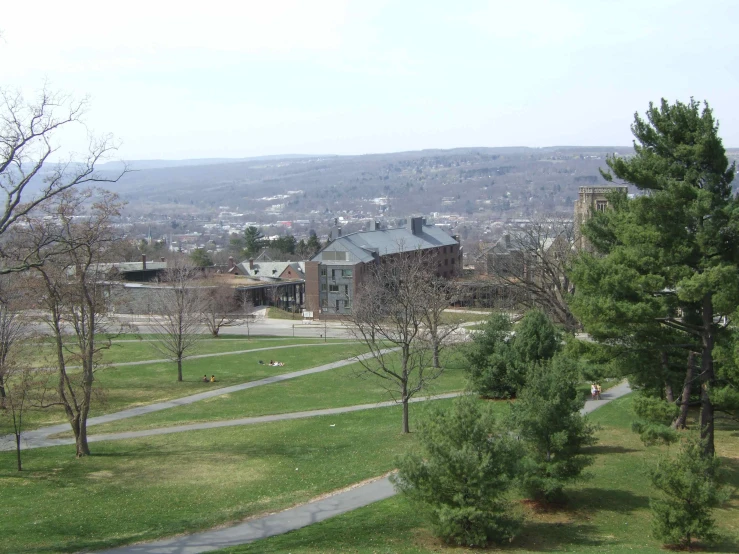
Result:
[
  {"x": 533, "y": 263},
  {"x": 13, "y": 327},
  {"x": 65, "y": 240},
  {"x": 178, "y": 307},
  {"x": 218, "y": 308},
  {"x": 390, "y": 309},
  {"x": 438, "y": 295},
  {"x": 251, "y": 316},
  {"x": 27, "y": 130}
]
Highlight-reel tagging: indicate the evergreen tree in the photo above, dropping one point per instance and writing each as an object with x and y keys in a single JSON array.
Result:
[
  {"x": 313, "y": 245},
  {"x": 546, "y": 418},
  {"x": 201, "y": 258},
  {"x": 460, "y": 476},
  {"x": 499, "y": 357},
  {"x": 667, "y": 257},
  {"x": 491, "y": 367},
  {"x": 690, "y": 490},
  {"x": 253, "y": 241}
]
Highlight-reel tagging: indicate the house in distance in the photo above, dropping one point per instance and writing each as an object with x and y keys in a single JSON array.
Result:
[{"x": 332, "y": 276}]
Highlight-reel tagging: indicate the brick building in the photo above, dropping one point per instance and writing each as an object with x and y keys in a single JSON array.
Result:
[{"x": 333, "y": 276}]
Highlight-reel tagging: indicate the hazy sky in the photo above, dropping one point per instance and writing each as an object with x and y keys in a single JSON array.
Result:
[{"x": 243, "y": 78}]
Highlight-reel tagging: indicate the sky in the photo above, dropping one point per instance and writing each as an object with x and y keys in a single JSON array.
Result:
[{"x": 176, "y": 80}]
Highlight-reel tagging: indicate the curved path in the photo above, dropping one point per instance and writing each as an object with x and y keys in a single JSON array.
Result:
[
  {"x": 299, "y": 516},
  {"x": 39, "y": 438}
]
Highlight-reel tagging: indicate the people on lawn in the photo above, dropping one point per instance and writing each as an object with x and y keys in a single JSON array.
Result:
[
  {"x": 212, "y": 378},
  {"x": 205, "y": 378}
]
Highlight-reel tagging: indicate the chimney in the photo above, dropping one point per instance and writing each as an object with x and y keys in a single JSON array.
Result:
[
  {"x": 507, "y": 238},
  {"x": 415, "y": 225},
  {"x": 251, "y": 263},
  {"x": 143, "y": 262},
  {"x": 335, "y": 233},
  {"x": 163, "y": 260},
  {"x": 374, "y": 225},
  {"x": 231, "y": 262}
]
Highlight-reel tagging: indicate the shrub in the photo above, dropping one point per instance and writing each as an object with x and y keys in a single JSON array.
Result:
[
  {"x": 546, "y": 418},
  {"x": 690, "y": 490},
  {"x": 460, "y": 476}
]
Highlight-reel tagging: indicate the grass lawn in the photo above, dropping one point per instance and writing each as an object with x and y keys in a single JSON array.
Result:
[
  {"x": 607, "y": 513},
  {"x": 335, "y": 388},
  {"x": 133, "y": 350},
  {"x": 144, "y": 489},
  {"x": 279, "y": 313},
  {"x": 128, "y": 386},
  {"x": 448, "y": 318}
]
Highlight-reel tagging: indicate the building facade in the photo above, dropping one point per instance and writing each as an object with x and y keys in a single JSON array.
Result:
[
  {"x": 589, "y": 200},
  {"x": 334, "y": 275}
]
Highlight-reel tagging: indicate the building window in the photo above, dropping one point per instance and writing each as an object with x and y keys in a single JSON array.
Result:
[
  {"x": 323, "y": 271},
  {"x": 600, "y": 205},
  {"x": 324, "y": 303},
  {"x": 347, "y": 273},
  {"x": 348, "y": 304},
  {"x": 333, "y": 288},
  {"x": 337, "y": 305},
  {"x": 334, "y": 273},
  {"x": 323, "y": 287},
  {"x": 452, "y": 261},
  {"x": 346, "y": 290}
]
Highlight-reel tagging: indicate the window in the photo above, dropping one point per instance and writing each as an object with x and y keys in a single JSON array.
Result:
[
  {"x": 324, "y": 303},
  {"x": 334, "y": 273},
  {"x": 337, "y": 305},
  {"x": 333, "y": 288},
  {"x": 348, "y": 304},
  {"x": 341, "y": 256},
  {"x": 323, "y": 271},
  {"x": 323, "y": 287},
  {"x": 347, "y": 273},
  {"x": 600, "y": 205},
  {"x": 329, "y": 255},
  {"x": 346, "y": 290},
  {"x": 452, "y": 261}
]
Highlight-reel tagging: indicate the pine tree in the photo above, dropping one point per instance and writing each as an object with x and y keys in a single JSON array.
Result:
[
  {"x": 546, "y": 418},
  {"x": 690, "y": 490},
  {"x": 669, "y": 255},
  {"x": 460, "y": 475}
]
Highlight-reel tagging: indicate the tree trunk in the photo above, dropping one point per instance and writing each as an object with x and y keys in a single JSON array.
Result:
[
  {"x": 437, "y": 364},
  {"x": 682, "y": 418},
  {"x": 179, "y": 369},
  {"x": 406, "y": 428},
  {"x": 83, "y": 449},
  {"x": 18, "y": 451},
  {"x": 669, "y": 394},
  {"x": 707, "y": 377}
]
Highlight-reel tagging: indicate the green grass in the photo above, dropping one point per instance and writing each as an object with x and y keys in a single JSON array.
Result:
[
  {"x": 124, "y": 350},
  {"x": 128, "y": 386},
  {"x": 607, "y": 513},
  {"x": 335, "y": 388},
  {"x": 279, "y": 313},
  {"x": 449, "y": 318},
  {"x": 144, "y": 489}
]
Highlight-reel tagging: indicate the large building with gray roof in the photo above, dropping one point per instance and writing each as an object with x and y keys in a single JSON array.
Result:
[{"x": 332, "y": 276}]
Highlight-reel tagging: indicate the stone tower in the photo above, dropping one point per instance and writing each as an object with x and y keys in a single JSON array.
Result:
[{"x": 589, "y": 200}]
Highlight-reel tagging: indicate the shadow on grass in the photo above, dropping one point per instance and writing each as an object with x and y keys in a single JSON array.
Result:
[
  {"x": 611, "y": 500},
  {"x": 609, "y": 449},
  {"x": 551, "y": 537}
]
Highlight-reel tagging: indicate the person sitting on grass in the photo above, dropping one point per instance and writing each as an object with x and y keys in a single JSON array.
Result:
[
  {"x": 205, "y": 378},
  {"x": 212, "y": 378}
]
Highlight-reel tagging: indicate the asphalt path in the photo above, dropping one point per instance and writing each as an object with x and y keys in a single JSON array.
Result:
[
  {"x": 300, "y": 516},
  {"x": 39, "y": 438}
]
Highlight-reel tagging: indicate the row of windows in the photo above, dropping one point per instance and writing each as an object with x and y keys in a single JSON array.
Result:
[
  {"x": 337, "y": 305},
  {"x": 335, "y": 288},
  {"x": 337, "y": 273}
]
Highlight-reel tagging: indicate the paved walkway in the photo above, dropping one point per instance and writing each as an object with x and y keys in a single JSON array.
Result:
[
  {"x": 299, "y": 516},
  {"x": 238, "y": 422},
  {"x": 40, "y": 437}
]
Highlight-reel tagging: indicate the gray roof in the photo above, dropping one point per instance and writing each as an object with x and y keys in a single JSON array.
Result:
[
  {"x": 390, "y": 241},
  {"x": 270, "y": 269}
]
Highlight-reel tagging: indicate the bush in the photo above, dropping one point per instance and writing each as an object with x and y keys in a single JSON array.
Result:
[
  {"x": 655, "y": 417},
  {"x": 690, "y": 490},
  {"x": 460, "y": 476},
  {"x": 546, "y": 418},
  {"x": 499, "y": 358}
]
